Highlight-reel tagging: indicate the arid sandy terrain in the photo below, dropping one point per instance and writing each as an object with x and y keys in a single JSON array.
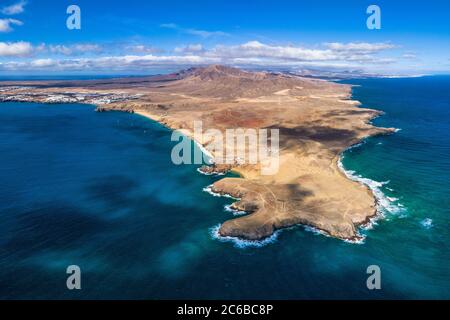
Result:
[{"x": 317, "y": 122}]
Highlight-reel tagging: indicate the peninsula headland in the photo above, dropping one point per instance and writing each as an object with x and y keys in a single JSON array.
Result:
[{"x": 317, "y": 121}]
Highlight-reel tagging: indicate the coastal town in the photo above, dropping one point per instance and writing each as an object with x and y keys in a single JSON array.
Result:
[{"x": 31, "y": 94}]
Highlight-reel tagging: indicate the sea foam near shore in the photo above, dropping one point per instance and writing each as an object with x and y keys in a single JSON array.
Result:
[
  {"x": 241, "y": 243},
  {"x": 385, "y": 205},
  {"x": 210, "y": 174},
  {"x": 208, "y": 189},
  {"x": 238, "y": 243},
  {"x": 235, "y": 212}
]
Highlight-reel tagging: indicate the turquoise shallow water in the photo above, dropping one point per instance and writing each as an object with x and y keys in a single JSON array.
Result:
[{"x": 99, "y": 190}]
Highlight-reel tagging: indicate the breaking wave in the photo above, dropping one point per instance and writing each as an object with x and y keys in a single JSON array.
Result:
[
  {"x": 241, "y": 243},
  {"x": 208, "y": 189},
  {"x": 385, "y": 205},
  {"x": 235, "y": 212},
  {"x": 427, "y": 223},
  {"x": 210, "y": 174}
]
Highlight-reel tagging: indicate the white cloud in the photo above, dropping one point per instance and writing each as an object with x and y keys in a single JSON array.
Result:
[
  {"x": 6, "y": 24},
  {"x": 113, "y": 63},
  {"x": 60, "y": 49},
  {"x": 87, "y": 47},
  {"x": 150, "y": 60},
  {"x": 140, "y": 48},
  {"x": 75, "y": 49},
  {"x": 13, "y": 9},
  {"x": 41, "y": 63},
  {"x": 22, "y": 49},
  {"x": 255, "y": 52},
  {"x": 255, "y": 49},
  {"x": 169, "y": 26},
  {"x": 359, "y": 46},
  {"x": 194, "y": 32},
  {"x": 191, "y": 48},
  {"x": 410, "y": 56},
  {"x": 204, "y": 33},
  {"x": 251, "y": 53},
  {"x": 15, "y": 49}
]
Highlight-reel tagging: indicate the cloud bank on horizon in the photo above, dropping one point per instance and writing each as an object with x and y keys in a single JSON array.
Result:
[
  {"x": 252, "y": 53},
  {"x": 122, "y": 40}
]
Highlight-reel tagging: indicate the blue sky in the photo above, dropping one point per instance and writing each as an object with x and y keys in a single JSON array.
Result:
[{"x": 136, "y": 37}]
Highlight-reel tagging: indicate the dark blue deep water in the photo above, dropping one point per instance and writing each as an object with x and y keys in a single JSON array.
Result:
[{"x": 99, "y": 190}]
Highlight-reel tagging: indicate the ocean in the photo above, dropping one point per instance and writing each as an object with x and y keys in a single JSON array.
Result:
[{"x": 99, "y": 190}]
